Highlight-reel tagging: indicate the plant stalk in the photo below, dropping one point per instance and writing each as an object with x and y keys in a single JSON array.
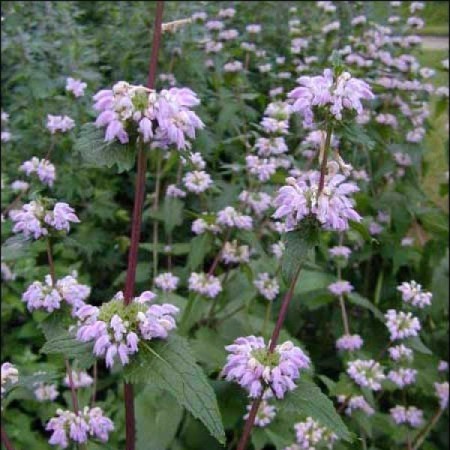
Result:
[
  {"x": 273, "y": 342},
  {"x": 323, "y": 166},
  {"x": 424, "y": 433},
  {"x": 136, "y": 225}
]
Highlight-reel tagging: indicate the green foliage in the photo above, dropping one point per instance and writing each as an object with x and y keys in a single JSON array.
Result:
[
  {"x": 170, "y": 365},
  {"x": 308, "y": 399},
  {"x": 95, "y": 152}
]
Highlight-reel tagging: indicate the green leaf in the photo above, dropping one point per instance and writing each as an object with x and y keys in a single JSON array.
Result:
[
  {"x": 416, "y": 344},
  {"x": 308, "y": 399},
  {"x": 15, "y": 247},
  {"x": 172, "y": 213},
  {"x": 200, "y": 246},
  {"x": 298, "y": 245},
  {"x": 157, "y": 418},
  {"x": 359, "y": 300},
  {"x": 69, "y": 347},
  {"x": 362, "y": 230},
  {"x": 170, "y": 365},
  {"x": 91, "y": 145}
]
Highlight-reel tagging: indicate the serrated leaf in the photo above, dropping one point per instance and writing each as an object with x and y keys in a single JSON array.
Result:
[
  {"x": 170, "y": 365},
  {"x": 359, "y": 300},
  {"x": 298, "y": 245},
  {"x": 308, "y": 399},
  {"x": 95, "y": 152},
  {"x": 69, "y": 347}
]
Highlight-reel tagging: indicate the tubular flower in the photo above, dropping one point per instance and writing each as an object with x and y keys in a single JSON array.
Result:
[
  {"x": 116, "y": 329},
  {"x": 255, "y": 369},
  {"x": 310, "y": 434},
  {"x": 36, "y": 220},
  {"x": 46, "y": 296},
  {"x": 67, "y": 426},
  {"x": 333, "y": 208},
  {"x": 412, "y": 293},
  {"x": 336, "y": 95},
  {"x": 401, "y": 325},
  {"x": 164, "y": 117},
  {"x": 366, "y": 373}
]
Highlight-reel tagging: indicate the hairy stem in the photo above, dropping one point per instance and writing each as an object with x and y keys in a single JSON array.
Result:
[
  {"x": 249, "y": 423},
  {"x": 323, "y": 166},
  {"x": 136, "y": 225}
]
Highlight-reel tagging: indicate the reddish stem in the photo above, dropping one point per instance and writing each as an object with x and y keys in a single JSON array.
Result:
[
  {"x": 283, "y": 312},
  {"x": 5, "y": 440},
  {"x": 136, "y": 225},
  {"x": 273, "y": 342},
  {"x": 249, "y": 424}
]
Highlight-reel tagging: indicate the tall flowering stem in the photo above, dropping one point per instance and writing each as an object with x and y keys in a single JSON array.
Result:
[
  {"x": 136, "y": 225},
  {"x": 273, "y": 342},
  {"x": 323, "y": 166}
]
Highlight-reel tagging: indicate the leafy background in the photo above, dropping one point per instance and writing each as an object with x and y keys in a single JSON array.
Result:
[{"x": 103, "y": 42}]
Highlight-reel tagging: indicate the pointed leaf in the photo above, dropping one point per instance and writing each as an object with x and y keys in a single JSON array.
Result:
[{"x": 170, "y": 365}]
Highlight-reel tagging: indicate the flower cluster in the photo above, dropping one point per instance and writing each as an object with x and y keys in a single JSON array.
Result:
[
  {"x": 356, "y": 403},
  {"x": 411, "y": 415},
  {"x": 349, "y": 342},
  {"x": 49, "y": 297},
  {"x": 400, "y": 352},
  {"x": 9, "y": 375},
  {"x": 232, "y": 253},
  {"x": 266, "y": 413},
  {"x": 229, "y": 217},
  {"x": 252, "y": 366},
  {"x": 36, "y": 220},
  {"x": 204, "y": 284},
  {"x": 76, "y": 87},
  {"x": 117, "y": 329},
  {"x": 332, "y": 208},
  {"x": 403, "y": 376},
  {"x": 167, "y": 282},
  {"x": 45, "y": 392},
  {"x": 401, "y": 325},
  {"x": 412, "y": 294},
  {"x": 268, "y": 287},
  {"x": 43, "y": 168},
  {"x": 442, "y": 394},
  {"x": 366, "y": 373},
  {"x": 340, "y": 288},
  {"x": 80, "y": 379},
  {"x": 344, "y": 92},
  {"x": 165, "y": 117},
  {"x": 59, "y": 123},
  {"x": 310, "y": 434},
  {"x": 340, "y": 252},
  {"x": 68, "y": 426}
]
